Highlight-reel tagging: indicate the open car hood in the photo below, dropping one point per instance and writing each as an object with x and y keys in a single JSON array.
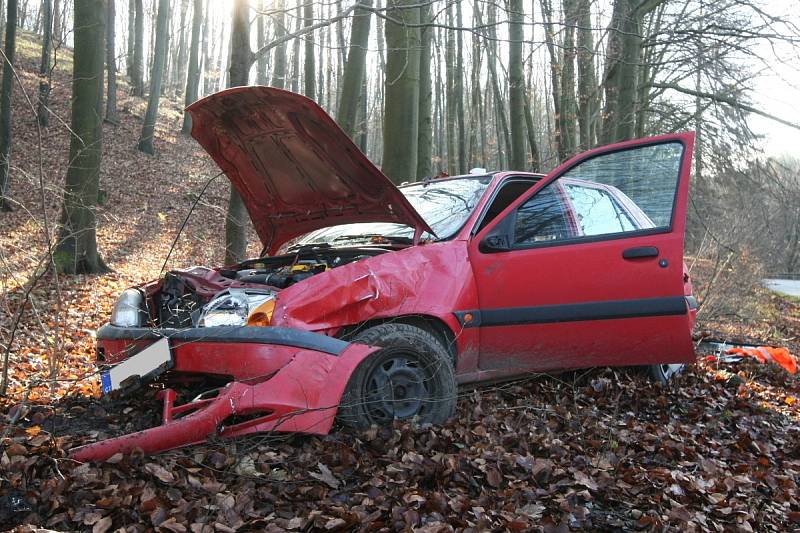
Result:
[{"x": 295, "y": 169}]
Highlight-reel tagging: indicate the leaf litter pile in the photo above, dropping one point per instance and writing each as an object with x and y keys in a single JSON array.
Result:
[
  {"x": 718, "y": 450},
  {"x": 594, "y": 450}
]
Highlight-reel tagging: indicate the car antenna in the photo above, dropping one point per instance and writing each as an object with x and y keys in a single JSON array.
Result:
[{"x": 185, "y": 220}]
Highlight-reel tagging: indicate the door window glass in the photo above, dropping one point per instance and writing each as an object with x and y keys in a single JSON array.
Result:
[
  {"x": 597, "y": 211},
  {"x": 542, "y": 218},
  {"x": 616, "y": 192}
]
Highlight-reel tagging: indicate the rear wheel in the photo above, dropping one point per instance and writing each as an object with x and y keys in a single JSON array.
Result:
[
  {"x": 664, "y": 373},
  {"x": 410, "y": 377}
]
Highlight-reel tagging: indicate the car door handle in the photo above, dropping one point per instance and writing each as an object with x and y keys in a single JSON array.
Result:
[{"x": 639, "y": 252}]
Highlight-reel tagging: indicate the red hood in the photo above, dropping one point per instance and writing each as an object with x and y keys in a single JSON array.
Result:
[{"x": 295, "y": 169}]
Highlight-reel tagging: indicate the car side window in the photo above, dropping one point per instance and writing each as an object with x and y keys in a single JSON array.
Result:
[
  {"x": 597, "y": 211},
  {"x": 610, "y": 194},
  {"x": 542, "y": 218}
]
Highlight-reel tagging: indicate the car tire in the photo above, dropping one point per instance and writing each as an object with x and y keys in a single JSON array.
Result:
[
  {"x": 664, "y": 373},
  {"x": 410, "y": 377}
]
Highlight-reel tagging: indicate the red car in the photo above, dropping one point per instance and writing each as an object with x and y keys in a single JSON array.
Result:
[{"x": 372, "y": 302}]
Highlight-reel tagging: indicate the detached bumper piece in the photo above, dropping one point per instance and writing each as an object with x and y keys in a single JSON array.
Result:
[{"x": 298, "y": 390}]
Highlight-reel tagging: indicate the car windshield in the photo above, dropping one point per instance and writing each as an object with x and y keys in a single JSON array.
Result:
[{"x": 445, "y": 205}]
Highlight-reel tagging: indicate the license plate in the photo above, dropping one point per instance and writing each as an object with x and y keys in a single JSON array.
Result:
[{"x": 140, "y": 368}]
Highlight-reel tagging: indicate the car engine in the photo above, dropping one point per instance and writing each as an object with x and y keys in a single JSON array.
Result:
[{"x": 183, "y": 293}]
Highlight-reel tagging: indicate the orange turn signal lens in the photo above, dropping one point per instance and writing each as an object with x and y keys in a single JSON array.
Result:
[{"x": 262, "y": 315}]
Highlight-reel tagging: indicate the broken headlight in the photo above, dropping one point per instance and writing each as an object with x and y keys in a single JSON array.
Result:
[
  {"x": 236, "y": 307},
  {"x": 128, "y": 311}
]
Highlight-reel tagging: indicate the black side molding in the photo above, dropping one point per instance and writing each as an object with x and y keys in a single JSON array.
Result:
[
  {"x": 548, "y": 314},
  {"x": 232, "y": 334}
]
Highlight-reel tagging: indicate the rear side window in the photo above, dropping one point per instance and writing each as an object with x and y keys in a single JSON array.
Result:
[{"x": 598, "y": 213}]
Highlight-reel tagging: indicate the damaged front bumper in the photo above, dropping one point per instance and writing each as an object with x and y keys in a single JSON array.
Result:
[{"x": 282, "y": 380}]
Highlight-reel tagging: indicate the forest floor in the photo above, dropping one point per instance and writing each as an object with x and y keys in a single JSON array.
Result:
[{"x": 602, "y": 449}]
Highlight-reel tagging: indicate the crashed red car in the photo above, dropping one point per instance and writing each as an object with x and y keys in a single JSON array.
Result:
[{"x": 372, "y": 302}]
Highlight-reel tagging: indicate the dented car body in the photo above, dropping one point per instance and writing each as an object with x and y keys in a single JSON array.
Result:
[{"x": 371, "y": 302}]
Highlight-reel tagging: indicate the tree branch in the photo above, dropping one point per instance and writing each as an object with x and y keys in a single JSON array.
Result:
[{"x": 724, "y": 100}]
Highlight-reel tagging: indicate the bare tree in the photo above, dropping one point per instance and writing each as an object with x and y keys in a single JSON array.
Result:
[
  {"x": 5, "y": 101},
  {"x": 401, "y": 112},
  {"x": 193, "y": 76},
  {"x": 76, "y": 251},
  {"x": 111, "y": 64},
  {"x": 145, "y": 143}
]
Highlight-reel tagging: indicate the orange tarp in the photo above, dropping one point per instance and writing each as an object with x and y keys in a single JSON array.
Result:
[{"x": 764, "y": 354}]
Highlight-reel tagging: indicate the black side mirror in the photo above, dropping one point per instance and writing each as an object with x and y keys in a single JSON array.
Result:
[{"x": 494, "y": 243}]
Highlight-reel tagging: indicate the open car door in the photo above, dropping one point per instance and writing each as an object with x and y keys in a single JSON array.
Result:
[{"x": 586, "y": 269}]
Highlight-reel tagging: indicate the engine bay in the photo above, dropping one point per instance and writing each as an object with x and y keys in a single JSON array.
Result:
[{"x": 182, "y": 294}]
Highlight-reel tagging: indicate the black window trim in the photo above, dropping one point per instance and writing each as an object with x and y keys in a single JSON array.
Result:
[{"x": 533, "y": 178}]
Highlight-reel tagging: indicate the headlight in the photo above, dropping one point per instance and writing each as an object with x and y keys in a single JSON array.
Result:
[
  {"x": 234, "y": 307},
  {"x": 128, "y": 311}
]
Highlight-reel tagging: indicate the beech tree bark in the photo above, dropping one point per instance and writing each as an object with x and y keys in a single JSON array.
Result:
[
  {"x": 76, "y": 251},
  {"x": 6, "y": 91},
  {"x": 111, "y": 64},
  {"x": 568, "y": 106},
  {"x": 401, "y": 112},
  {"x": 137, "y": 70},
  {"x": 308, "y": 64},
  {"x": 354, "y": 70},
  {"x": 156, "y": 75},
  {"x": 193, "y": 75},
  {"x": 279, "y": 61},
  {"x": 42, "y": 113},
  {"x": 425, "y": 135},
  {"x": 587, "y": 81},
  {"x": 241, "y": 60},
  {"x": 516, "y": 89}
]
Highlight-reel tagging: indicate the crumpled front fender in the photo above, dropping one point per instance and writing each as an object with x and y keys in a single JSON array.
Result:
[{"x": 302, "y": 396}]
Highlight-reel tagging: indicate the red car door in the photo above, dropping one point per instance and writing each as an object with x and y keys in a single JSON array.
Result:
[{"x": 576, "y": 279}]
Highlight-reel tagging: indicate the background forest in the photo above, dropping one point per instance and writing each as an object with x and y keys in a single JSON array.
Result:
[{"x": 98, "y": 174}]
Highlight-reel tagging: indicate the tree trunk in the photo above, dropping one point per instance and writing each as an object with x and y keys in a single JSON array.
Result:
[
  {"x": 131, "y": 38},
  {"x": 501, "y": 122},
  {"x": 555, "y": 70},
  {"x": 261, "y": 40},
  {"x": 623, "y": 58},
  {"x": 425, "y": 134},
  {"x": 461, "y": 139},
  {"x": 156, "y": 75},
  {"x": 354, "y": 70},
  {"x": 42, "y": 113},
  {"x": 137, "y": 73},
  {"x": 362, "y": 116},
  {"x": 111, "y": 64},
  {"x": 6, "y": 91},
  {"x": 76, "y": 251},
  {"x": 58, "y": 30},
  {"x": 5, "y": 101},
  {"x": 568, "y": 103},
  {"x": 295, "y": 74},
  {"x": 279, "y": 62},
  {"x": 587, "y": 82},
  {"x": 193, "y": 76},
  {"x": 516, "y": 80},
  {"x": 529, "y": 126},
  {"x": 241, "y": 60},
  {"x": 208, "y": 51},
  {"x": 180, "y": 68},
  {"x": 308, "y": 65},
  {"x": 451, "y": 108},
  {"x": 401, "y": 113}
]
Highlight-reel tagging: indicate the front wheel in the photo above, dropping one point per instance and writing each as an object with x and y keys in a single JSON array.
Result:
[
  {"x": 664, "y": 373},
  {"x": 410, "y": 377}
]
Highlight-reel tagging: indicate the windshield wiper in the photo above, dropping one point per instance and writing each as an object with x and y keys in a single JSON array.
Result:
[
  {"x": 308, "y": 246},
  {"x": 372, "y": 237}
]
